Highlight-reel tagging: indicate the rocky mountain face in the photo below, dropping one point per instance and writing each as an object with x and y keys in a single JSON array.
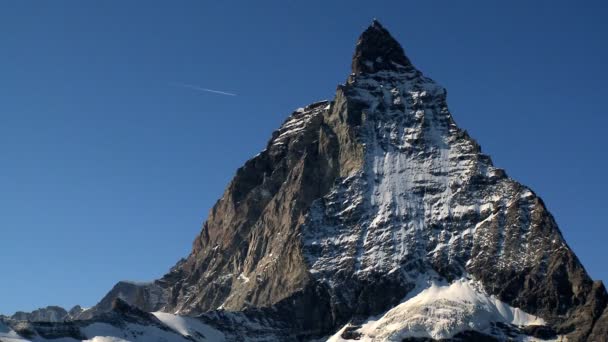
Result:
[
  {"x": 145, "y": 296},
  {"x": 373, "y": 216}
]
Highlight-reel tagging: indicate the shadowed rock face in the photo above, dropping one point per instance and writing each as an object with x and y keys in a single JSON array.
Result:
[
  {"x": 600, "y": 330},
  {"x": 355, "y": 199},
  {"x": 248, "y": 253},
  {"x": 376, "y": 50}
]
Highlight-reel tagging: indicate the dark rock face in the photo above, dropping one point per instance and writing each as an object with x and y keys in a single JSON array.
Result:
[
  {"x": 600, "y": 329},
  {"x": 376, "y": 50},
  {"x": 554, "y": 286},
  {"x": 248, "y": 253},
  {"x": 49, "y": 330},
  {"x": 355, "y": 199}
]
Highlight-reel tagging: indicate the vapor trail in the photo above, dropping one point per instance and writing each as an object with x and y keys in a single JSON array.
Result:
[{"x": 195, "y": 87}]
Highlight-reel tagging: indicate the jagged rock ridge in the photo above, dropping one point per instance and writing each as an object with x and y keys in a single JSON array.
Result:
[
  {"x": 51, "y": 313},
  {"x": 355, "y": 203}
]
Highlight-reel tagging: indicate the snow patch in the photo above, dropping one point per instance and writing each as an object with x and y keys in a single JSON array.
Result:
[
  {"x": 244, "y": 278},
  {"x": 189, "y": 326},
  {"x": 106, "y": 339}
]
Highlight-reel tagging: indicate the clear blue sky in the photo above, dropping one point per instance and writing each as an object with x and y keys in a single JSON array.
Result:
[{"x": 108, "y": 168}]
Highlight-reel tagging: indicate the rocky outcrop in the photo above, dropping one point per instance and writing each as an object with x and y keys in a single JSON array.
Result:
[
  {"x": 48, "y": 314},
  {"x": 146, "y": 296},
  {"x": 376, "y": 50}
]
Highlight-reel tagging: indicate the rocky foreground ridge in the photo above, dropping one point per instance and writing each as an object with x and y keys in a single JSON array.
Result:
[{"x": 374, "y": 217}]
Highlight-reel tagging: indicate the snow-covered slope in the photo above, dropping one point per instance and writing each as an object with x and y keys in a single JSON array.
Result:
[
  {"x": 130, "y": 332},
  {"x": 440, "y": 312}
]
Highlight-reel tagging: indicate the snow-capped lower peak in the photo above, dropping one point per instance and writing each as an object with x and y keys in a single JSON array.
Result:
[{"x": 442, "y": 311}]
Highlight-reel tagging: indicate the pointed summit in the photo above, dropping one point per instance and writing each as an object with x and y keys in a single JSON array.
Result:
[{"x": 378, "y": 50}]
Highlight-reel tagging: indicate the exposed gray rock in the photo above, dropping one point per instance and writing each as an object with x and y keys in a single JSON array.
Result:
[{"x": 146, "y": 296}]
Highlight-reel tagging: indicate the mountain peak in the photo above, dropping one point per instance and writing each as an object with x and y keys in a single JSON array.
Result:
[
  {"x": 376, "y": 24},
  {"x": 378, "y": 50},
  {"x": 371, "y": 216}
]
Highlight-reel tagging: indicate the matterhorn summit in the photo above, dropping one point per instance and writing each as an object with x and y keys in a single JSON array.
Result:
[{"x": 369, "y": 217}]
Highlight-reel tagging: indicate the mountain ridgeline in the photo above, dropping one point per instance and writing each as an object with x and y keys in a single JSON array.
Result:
[{"x": 372, "y": 216}]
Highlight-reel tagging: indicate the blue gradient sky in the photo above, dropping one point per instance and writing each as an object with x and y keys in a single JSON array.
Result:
[{"x": 109, "y": 166}]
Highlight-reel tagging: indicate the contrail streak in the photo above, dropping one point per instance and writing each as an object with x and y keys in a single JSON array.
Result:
[{"x": 195, "y": 87}]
